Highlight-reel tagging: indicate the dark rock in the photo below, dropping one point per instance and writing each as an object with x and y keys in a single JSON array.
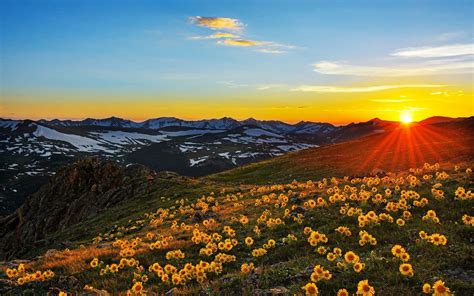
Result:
[
  {"x": 66, "y": 200},
  {"x": 280, "y": 291},
  {"x": 68, "y": 283}
]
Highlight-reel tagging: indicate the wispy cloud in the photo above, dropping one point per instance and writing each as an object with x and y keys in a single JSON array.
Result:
[
  {"x": 239, "y": 42},
  {"x": 270, "y": 86},
  {"x": 270, "y": 51},
  {"x": 425, "y": 68},
  {"x": 217, "y": 23},
  {"x": 359, "y": 89},
  {"x": 449, "y": 36},
  {"x": 232, "y": 84},
  {"x": 458, "y": 93},
  {"x": 232, "y": 39},
  {"x": 435, "y": 51},
  {"x": 376, "y": 110},
  {"x": 217, "y": 35}
]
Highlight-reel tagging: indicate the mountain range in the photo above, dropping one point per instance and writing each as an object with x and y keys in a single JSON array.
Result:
[{"x": 32, "y": 151}]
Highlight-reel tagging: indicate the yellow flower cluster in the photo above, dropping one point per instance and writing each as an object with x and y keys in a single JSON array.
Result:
[
  {"x": 406, "y": 269},
  {"x": 350, "y": 211},
  {"x": 227, "y": 244},
  {"x": 462, "y": 194},
  {"x": 94, "y": 263},
  {"x": 441, "y": 176},
  {"x": 160, "y": 244},
  {"x": 258, "y": 252},
  {"x": 365, "y": 289},
  {"x": 225, "y": 258},
  {"x": 438, "y": 289},
  {"x": 209, "y": 222},
  {"x": 273, "y": 222},
  {"x": 319, "y": 273},
  {"x": 437, "y": 193},
  {"x": 189, "y": 271},
  {"x": 229, "y": 231},
  {"x": 22, "y": 277},
  {"x": 316, "y": 237},
  {"x": 175, "y": 254},
  {"x": 468, "y": 220},
  {"x": 436, "y": 238},
  {"x": 369, "y": 218},
  {"x": 342, "y": 292},
  {"x": 137, "y": 289},
  {"x": 430, "y": 216},
  {"x": 246, "y": 268},
  {"x": 400, "y": 222},
  {"x": 344, "y": 230},
  {"x": 127, "y": 248},
  {"x": 269, "y": 244},
  {"x": 351, "y": 258},
  {"x": 421, "y": 203},
  {"x": 311, "y": 289},
  {"x": 114, "y": 268},
  {"x": 366, "y": 238},
  {"x": 400, "y": 253}
]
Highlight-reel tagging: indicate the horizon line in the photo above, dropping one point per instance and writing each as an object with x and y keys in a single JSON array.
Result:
[{"x": 228, "y": 117}]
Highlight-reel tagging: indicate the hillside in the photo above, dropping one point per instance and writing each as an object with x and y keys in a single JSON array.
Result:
[
  {"x": 32, "y": 151},
  {"x": 323, "y": 218},
  {"x": 189, "y": 237},
  {"x": 399, "y": 149}
]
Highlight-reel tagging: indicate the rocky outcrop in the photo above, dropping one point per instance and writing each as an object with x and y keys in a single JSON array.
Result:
[{"x": 76, "y": 193}]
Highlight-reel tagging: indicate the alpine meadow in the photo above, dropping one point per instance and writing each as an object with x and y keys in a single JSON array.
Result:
[{"x": 253, "y": 147}]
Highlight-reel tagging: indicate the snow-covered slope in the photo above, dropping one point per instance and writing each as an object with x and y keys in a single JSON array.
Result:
[
  {"x": 224, "y": 123},
  {"x": 9, "y": 124},
  {"x": 32, "y": 150}
]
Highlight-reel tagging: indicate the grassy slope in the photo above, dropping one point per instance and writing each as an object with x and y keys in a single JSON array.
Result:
[
  {"x": 400, "y": 149},
  {"x": 287, "y": 264}
]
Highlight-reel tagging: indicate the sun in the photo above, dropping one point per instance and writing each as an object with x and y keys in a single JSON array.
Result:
[{"x": 406, "y": 117}]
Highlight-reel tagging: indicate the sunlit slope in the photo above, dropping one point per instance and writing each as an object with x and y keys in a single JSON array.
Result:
[
  {"x": 402, "y": 148},
  {"x": 257, "y": 240}
]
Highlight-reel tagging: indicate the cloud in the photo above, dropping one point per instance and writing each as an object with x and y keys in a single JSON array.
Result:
[
  {"x": 435, "y": 51},
  {"x": 458, "y": 93},
  {"x": 376, "y": 110},
  {"x": 267, "y": 47},
  {"x": 232, "y": 84},
  {"x": 270, "y": 86},
  {"x": 231, "y": 39},
  {"x": 239, "y": 42},
  {"x": 450, "y": 36},
  {"x": 217, "y": 35},
  {"x": 270, "y": 51},
  {"x": 340, "y": 89},
  {"x": 217, "y": 23},
  {"x": 436, "y": 67}
]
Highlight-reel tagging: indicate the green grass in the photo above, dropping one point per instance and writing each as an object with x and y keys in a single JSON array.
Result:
[{"x": 289, "y": 264}]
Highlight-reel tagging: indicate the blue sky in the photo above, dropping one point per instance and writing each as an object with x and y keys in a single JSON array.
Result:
[{"x": 153, "y": 47}]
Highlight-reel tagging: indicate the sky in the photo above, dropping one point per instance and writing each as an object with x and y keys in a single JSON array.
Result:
[{"x": 331, "y": 61}]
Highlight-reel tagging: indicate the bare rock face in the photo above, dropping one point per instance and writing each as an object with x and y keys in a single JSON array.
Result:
[{"x": 76, "y": 193}]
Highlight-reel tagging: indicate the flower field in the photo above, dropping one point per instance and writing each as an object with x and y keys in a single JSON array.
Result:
[{"x": 408, "y": 233}]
